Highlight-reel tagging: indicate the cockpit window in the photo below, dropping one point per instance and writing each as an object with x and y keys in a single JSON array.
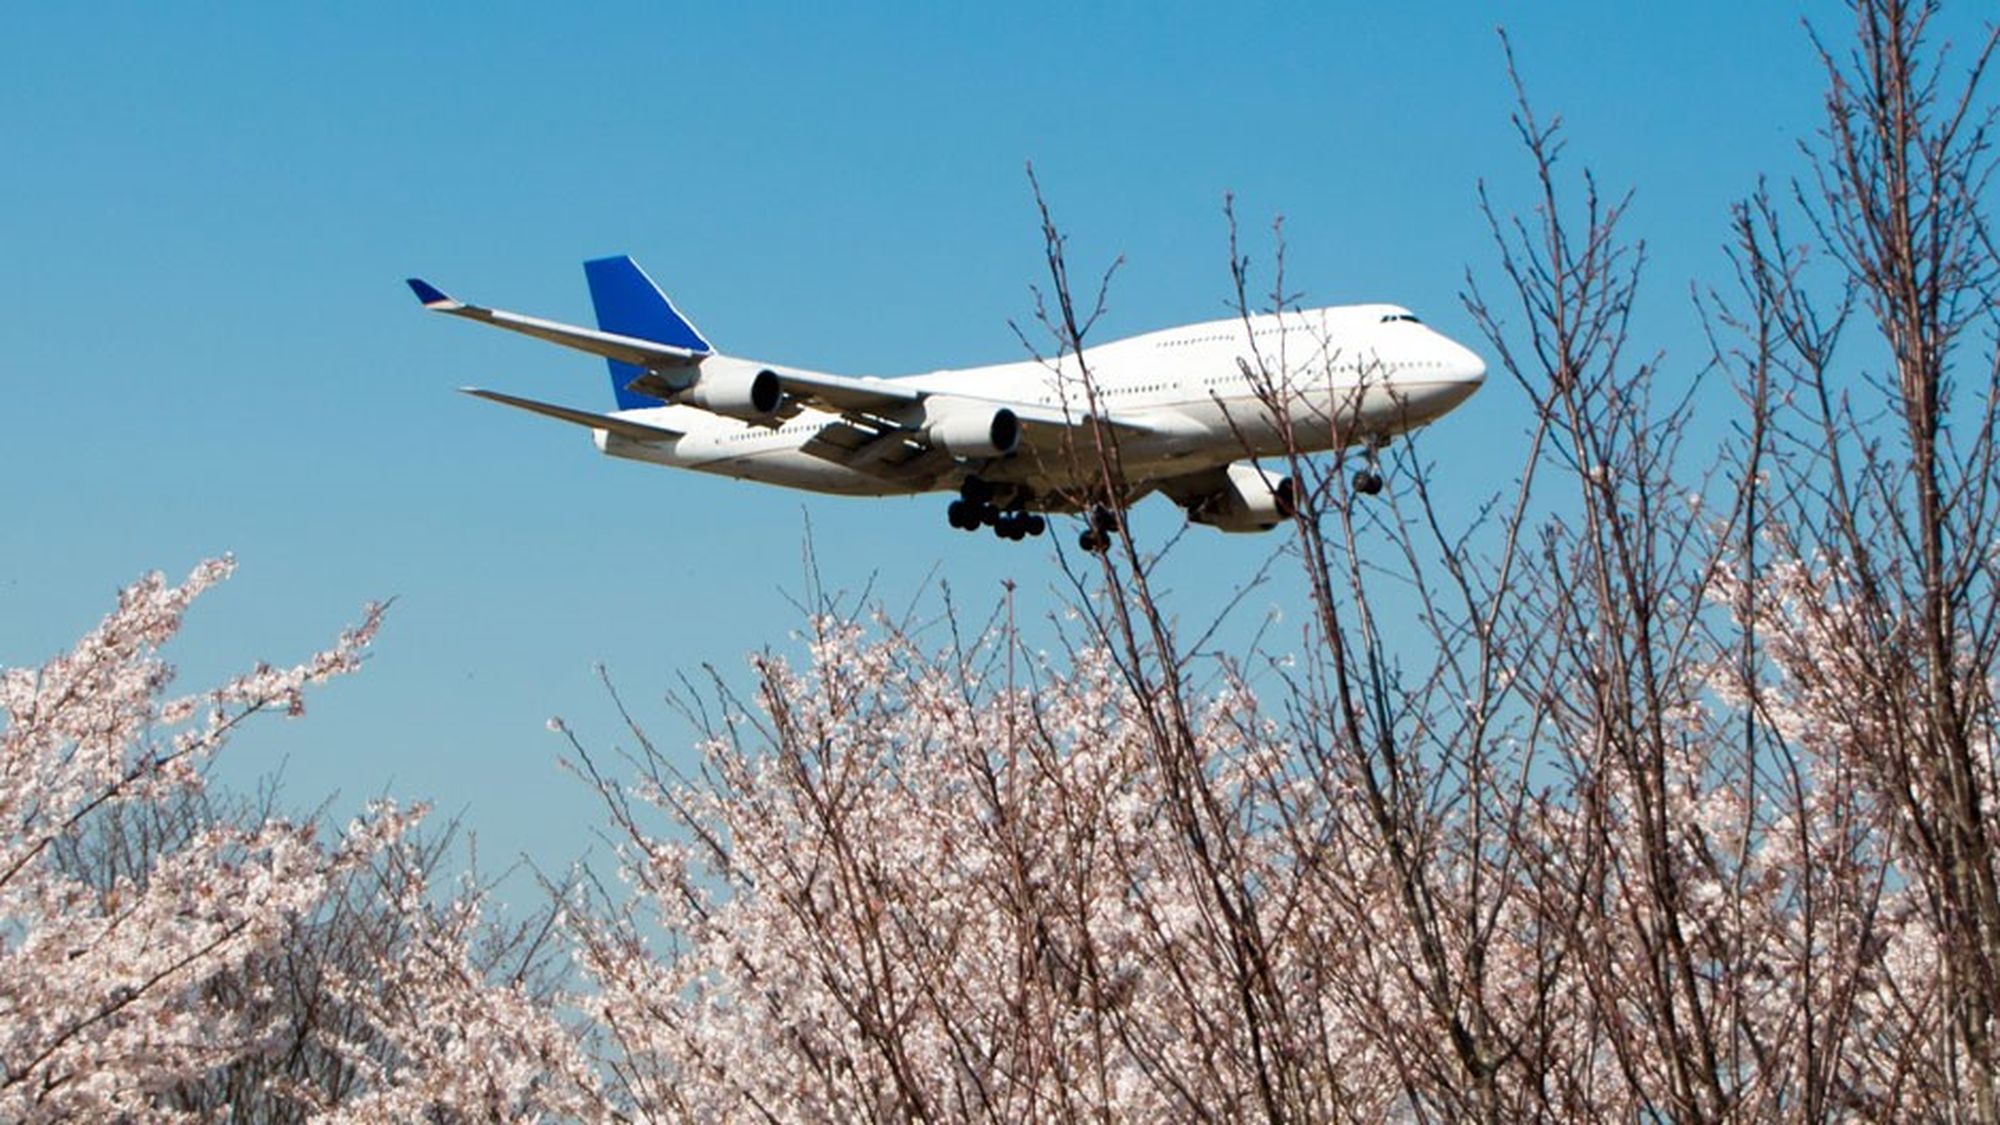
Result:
[{"x": 1400, "y": 316}]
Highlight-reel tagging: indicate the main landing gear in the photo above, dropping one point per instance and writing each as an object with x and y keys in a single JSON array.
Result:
[
  {"x": 1103, "y": 521},
  {"x": 975, "y": 509}
]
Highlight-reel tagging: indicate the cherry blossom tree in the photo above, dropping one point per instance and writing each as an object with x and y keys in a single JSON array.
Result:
[
  {"x": 1660, "y": 787},
  {"x": 164, "y": 951},
  {"x": 100, "y": 984}
]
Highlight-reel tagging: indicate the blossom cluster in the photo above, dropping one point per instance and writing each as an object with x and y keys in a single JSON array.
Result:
[{"x": 159, "y": 956}]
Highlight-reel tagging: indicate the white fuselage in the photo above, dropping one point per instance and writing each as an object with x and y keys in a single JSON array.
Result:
[{"x": 1210, "y": 393}]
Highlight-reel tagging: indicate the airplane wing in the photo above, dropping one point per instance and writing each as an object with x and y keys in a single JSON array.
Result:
[
  {"x": 875, "y": 434},
  {"x": 845, "y": 394},
  {"x": 872, "y": 407},
  {"x": 623, "y": 427},
  {"x": 610, "y": 345},
  {"x": 841, "y": 394}
]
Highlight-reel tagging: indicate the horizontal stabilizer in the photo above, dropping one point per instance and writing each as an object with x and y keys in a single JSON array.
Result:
[{"x": 610, "y": 423}]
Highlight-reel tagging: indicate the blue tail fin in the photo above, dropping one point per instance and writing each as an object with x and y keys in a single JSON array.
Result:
[{"x": 629, "y": 304}]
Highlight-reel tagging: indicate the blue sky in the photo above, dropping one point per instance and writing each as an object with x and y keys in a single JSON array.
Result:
[{"x": 205, "y": 214}]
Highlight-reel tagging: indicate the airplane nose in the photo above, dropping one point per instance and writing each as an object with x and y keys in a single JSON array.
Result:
[
  {"x": 1463, "y": 374},
  {"x": 1468, "y": 368}
]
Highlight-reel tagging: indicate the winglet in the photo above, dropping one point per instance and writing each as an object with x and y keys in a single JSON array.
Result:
[{"x": 431, "y": 295}]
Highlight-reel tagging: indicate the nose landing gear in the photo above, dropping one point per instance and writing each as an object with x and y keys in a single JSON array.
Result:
[{"x": 1368, "y": 478}]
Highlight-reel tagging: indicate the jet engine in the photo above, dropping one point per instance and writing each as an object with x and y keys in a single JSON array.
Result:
[
  {"x": 746, "y": 392},
  {"x": 1251, "y": 499},
  {"x": 969, "y": 428}
]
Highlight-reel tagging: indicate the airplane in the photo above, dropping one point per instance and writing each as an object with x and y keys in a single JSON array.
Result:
[{"x": 1188, "y": 412}]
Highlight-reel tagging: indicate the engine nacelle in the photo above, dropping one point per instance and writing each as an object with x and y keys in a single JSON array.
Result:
[
  {"x": 1252, "y": 500},
  {"x": 967, "y": 428},
  {"x": 747, "y": 392}
]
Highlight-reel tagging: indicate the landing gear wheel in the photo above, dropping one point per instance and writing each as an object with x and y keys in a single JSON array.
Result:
[
  {"x": 962, "y": 516},
  {"x": 1104, "y": 521},
  {"x": 1092, "y": 542},
  {"x": 1367, "y": 482},
  {"x": 1035, "y": 524}
]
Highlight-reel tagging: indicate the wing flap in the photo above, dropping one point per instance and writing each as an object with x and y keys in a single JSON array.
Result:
[
  {"x": 889, "y": 399},
  {"x": 888, "y": 453},
  {"x": 843, "y": 394}
]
